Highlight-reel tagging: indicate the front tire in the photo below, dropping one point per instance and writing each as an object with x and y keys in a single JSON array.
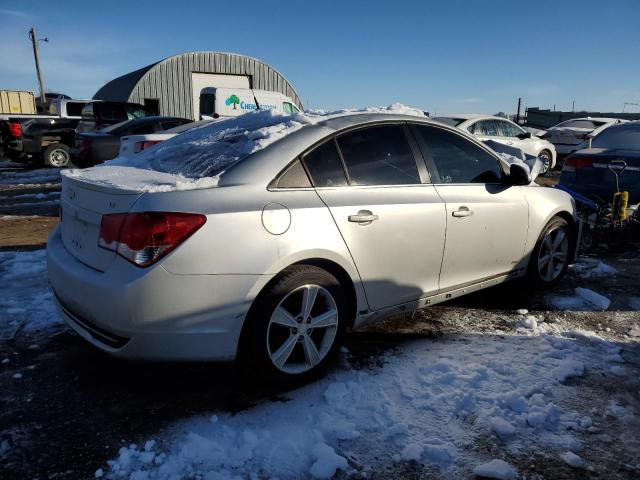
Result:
[
  {"x": 550, "y": 257},
  {"x": 546, "y": 158},
  {"x": 57, "y": 155},
  {"x": 296, "y": 325}
]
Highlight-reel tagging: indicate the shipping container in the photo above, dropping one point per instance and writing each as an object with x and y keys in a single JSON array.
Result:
[{"x": 17, "y": 102}]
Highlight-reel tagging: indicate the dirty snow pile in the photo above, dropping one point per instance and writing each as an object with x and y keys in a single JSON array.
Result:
[
  {"x": 584, "y": 298},
  {"x": 26, "y": 302},
  {"x": 198, "y": 157},
  {"x": 428, "y": 404}
]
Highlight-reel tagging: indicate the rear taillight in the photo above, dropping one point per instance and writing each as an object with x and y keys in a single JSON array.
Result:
[
  {"x": 571, "y": 164},
  {"x": 144, "y": 238},
  {"x": 139, "y": 146},
  {"x": 15, "y": 129},
  {"x": 85, "y": 144}
]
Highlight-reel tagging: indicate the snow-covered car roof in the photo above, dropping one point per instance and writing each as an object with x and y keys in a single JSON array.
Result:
[{"x": 198, "y": 157}]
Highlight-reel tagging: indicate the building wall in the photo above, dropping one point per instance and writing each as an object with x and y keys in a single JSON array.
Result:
[
  {"x": 538, "y": 118},
  {"x": 169, "y": 81}
]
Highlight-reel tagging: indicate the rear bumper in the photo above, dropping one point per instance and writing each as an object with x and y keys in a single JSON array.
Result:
[{"x": 150, "y": 314}]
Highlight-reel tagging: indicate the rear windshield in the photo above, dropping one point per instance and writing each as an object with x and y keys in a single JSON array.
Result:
[
  {"x": 622, "y": 138},
  {"x": 115, "y": 128},
  {"x": 454, "y": 122},
  {"x": 215, "y": 146},
  {"x": 579, "y": 124}
]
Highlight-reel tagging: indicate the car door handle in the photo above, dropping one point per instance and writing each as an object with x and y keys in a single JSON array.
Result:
[
  {"x": 462, "y": 212},
  {"x": 363, "y": 216}
]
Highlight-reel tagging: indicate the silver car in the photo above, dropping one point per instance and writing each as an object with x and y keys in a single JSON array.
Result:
[{"x": 342, "y": 222}]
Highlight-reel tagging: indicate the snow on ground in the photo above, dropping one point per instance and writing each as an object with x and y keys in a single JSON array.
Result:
[
  {"x": 584, "y": 299},
  {"x": 428, "y": 403},
  {"x": 593, "y": 268},
  {"x": 31, "y": 177},
  {"x": 196, "y": 158},
  {"x": 26, "y": 301}
]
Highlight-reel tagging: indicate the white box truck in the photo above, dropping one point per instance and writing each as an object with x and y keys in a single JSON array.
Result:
[{"x": 221, "y": 102}]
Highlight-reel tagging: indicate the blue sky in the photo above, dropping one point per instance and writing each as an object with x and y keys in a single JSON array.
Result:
[{"x": 442, "y": 56}]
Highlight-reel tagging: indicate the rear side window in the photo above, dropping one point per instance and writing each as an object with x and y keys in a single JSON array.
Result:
[
  {"x": 457, "y": 159},
  {"x": 74, "y": 109},
  {"x": 293, "y": 177},
  {"x": 325, "y": 167},
  {"x": 379, "y": 156}
]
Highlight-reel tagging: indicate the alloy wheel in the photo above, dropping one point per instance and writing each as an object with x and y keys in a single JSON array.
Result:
[
  {"x": 553, "y": 254},
  {"x": 59, "y": 158},
  {"x": 302, "y": 329},
  {"x": 545, "y": 158}
]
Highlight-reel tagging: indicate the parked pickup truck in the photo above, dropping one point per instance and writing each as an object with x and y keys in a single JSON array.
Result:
[
  {"x": 25, "y": 137},
  {"x": 50, "y": 137}
]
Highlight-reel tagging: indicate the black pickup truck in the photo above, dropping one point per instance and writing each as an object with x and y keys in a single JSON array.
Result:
[{"x": 50, "y": 137}]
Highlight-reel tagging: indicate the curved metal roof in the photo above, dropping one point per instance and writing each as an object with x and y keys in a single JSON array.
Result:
[{"x": 169, "y": 80}]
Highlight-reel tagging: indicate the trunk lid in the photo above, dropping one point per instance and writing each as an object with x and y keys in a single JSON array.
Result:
[{"x": 82, "y": 205}]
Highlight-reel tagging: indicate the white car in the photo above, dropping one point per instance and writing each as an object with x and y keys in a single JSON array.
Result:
[
  {"x": 569, "y": 136},
  {"x": 262, "y": 239},
  {"x": 134, "y": 144},
  {"x": 506, "y": 132}
]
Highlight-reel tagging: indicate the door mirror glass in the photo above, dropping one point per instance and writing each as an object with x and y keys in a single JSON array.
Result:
[{"x": 519, "y": 174}]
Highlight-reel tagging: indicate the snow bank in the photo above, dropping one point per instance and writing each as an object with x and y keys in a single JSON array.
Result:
[
  {"x": 498, "y": 469},
  {"x": 26, "y": 302},
  {"x": 593, "y": 268},
  {"x": 426, "y": 404},
  {"x": 584, "y": 299},
  {"x": 196, "y": 158}
]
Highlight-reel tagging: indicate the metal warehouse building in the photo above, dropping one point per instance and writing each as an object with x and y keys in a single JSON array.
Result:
[{"x": 173, "y": 86}]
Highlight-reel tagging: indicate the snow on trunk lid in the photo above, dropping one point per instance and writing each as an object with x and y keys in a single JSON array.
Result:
[{"x": 82, "y": 206}]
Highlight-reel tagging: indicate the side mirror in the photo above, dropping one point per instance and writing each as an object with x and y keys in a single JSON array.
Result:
[
  {"x": 519, "y": 174},
  {"x": 524, "y": 135}
]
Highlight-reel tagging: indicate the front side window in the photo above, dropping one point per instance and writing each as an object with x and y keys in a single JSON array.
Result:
[
  {"x": 287, "y": 107},
  {"x": 379, "y": 156},
  {"x": 325, "y": 167},
  {"x": 487, "y": 128},
  {"x": 508, "y": 129},
  {"x": 457, "y": 159}
]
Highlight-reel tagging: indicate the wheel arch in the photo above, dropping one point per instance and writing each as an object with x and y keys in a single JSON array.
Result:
[{"x": 340, "y": 272}]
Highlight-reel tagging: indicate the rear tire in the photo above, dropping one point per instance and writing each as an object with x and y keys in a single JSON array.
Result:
[
  {"x": 57, "y": 155},
  {"x": 295, "y": 326},
  {"x": 546, "y": 158},
  {"x": 550, "y": 257}
]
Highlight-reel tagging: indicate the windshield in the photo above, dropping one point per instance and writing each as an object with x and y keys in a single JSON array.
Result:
[
  {"x": 454, "y": 122},
  {"x": 620, "y": 138}
]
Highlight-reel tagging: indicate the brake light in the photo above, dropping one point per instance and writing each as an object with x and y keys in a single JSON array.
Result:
[
  {"x": 144, "y": 238},
  {"x": 139, "y": 146},
  {"x": 571, "y": 164},
  {"x": 15, "y": 129},
  {"x": 85, "y": 143}
]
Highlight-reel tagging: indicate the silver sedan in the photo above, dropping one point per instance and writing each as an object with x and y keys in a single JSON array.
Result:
[{"x": 342, "y": 222}]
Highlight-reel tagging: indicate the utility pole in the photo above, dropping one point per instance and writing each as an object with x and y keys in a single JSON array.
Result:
[
  {"x": 573, "y": 106},
  {"x": 34, "y": 41},
  {"x": 518, "y": 113}
]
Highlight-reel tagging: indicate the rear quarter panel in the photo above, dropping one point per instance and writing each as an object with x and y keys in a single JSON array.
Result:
[{"x": 234, "y": 240}]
